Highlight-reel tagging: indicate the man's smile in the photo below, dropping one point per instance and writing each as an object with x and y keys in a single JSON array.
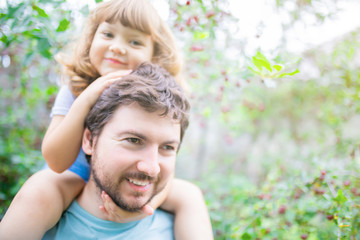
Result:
[{"x": 139, "y": 185}]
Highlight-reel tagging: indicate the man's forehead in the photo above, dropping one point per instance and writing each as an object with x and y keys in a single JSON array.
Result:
[{"x": 134, "y": 118}]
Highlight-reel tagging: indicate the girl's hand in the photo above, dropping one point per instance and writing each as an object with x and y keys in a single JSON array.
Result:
[
  {"x": 91, "y": 94},
  {"x": 116, "y": 214}
]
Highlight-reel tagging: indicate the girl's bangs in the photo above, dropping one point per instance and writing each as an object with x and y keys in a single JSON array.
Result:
[{"x": 130, "y": 16}]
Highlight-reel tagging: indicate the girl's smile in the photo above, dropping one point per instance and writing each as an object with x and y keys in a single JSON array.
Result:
[{"x": 115, "y": 61}]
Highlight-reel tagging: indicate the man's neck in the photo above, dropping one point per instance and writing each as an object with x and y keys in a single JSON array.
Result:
[{"x": 90, "y": 200}]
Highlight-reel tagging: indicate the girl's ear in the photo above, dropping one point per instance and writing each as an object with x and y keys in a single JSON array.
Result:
[{"x": 86, "y": 143}]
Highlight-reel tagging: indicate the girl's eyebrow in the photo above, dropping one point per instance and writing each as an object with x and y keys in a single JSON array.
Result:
[
  {"x": 104, "y": 27},
  {"x": 135, "y": 33},
  {"x": 130, "y": 31},
  {"x": 107, "y": 25}
]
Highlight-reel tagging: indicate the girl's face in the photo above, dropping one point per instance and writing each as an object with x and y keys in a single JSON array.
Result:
[{"x": 116, "y": 47}]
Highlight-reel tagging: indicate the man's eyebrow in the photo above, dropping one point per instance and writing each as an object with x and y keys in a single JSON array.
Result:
[
  {"x": 172, "y": 142},
  {"x": 135, "y": 133},
  {"x": 142, "y": 136}
]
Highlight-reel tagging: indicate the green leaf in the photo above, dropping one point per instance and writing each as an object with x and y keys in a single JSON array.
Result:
[
  {"x": 29, "y": 56},
  {"x": 51, "y": 90},
  {"x": 43, "y": 44},
  {"x": 260, "y": 61},
  {"x": 4, "y": 39},
  {"x": 13, "y": 10},
  {"x": 63, "y": 25},
  {"x": 294, "y": 72},
  {"x": 258, "y": 221},
  {"x": 246, "y": 236},
  {"x": 340, "y": 198},
  {"x": 289, "y": 74},
  {"x": 98, "y": 1},
  {"x": 201, "y": 35},
  {"x": 207, "y": 112},
  {"x": 37, "y": 33},
  {"x": 277, "y": 67},
  {"x": 8, "y": 40},
  {"x": 40, "y": 11},
  {"x": 44, "y": 48},
  {"x": 30, "y": 34},
  {"x": 46, "y": 53}
]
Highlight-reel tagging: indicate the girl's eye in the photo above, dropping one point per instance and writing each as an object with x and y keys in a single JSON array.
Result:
[
  {"x": 108, "y": 34},
  {"x": 136, "y": 43}
]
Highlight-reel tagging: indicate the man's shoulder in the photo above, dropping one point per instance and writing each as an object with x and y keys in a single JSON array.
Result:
[
  {"x": 161, "y": 218},
  {"x": 159, "y": 226},
  {"x": 76, "y": 223}
]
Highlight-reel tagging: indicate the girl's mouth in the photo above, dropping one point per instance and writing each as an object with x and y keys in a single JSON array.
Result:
[{"x": 115, "y": 61}]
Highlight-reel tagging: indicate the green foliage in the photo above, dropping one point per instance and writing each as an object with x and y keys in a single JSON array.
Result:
[
  {"x": 321, "y": 205},
  {"x": 63, "y": 25},
  {"x": 285, "y": 160},
  {"x": 261, "y": 63},
  {"x": 297, "y": 127},
  {"x": 29, "y": 39}
]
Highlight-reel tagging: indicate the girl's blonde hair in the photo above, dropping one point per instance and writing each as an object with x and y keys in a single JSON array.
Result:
[{"x": 136, "y": 14}]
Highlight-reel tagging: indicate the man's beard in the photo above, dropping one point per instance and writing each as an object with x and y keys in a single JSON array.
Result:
[{"x": 111, "y": 187}]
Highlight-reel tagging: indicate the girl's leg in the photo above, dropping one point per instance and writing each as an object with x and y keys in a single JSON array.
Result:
[{"x": 38, "y": 205}]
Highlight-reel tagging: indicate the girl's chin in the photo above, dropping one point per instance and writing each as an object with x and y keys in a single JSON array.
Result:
[{"x": 110, "y": 70}]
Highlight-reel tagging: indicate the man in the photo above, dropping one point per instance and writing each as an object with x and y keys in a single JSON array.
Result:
[{"x": 132, "y": 136}]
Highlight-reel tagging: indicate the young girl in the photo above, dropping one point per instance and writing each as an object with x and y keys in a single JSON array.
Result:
[{"x": 119, "y": 35}]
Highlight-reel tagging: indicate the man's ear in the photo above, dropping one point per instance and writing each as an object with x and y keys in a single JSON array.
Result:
[{"x": 86, "y": 143}]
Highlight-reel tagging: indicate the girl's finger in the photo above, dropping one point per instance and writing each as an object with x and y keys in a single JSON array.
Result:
[
  {"x": 110, "y": 81},
  {"x": 109, "y": 204},
  {"x": 102, "y": 208},
  {"x": 148, "y": 210}
]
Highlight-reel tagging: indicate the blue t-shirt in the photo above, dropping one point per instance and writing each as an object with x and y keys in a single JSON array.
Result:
[
  {"x": 76, "y": 223},
  {"x": 62, "y": 105}
]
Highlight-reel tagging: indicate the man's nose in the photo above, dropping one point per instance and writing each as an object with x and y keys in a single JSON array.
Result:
[{"x": 149, "y": 162}]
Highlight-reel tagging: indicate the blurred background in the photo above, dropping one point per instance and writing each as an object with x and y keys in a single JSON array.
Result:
[{"x": 274, "y": 85}]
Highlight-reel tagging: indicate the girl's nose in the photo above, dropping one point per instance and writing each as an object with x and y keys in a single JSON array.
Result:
[{"x": 117, "y": 49}]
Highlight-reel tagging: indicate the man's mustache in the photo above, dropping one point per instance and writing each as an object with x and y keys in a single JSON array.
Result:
[{"x": 140, "y": 176}]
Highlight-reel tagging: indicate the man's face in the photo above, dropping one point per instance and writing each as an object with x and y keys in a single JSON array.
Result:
[{"x": 134, "y": 156}]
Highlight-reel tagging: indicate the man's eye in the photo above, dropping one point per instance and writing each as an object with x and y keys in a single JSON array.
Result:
[
  {"x": 133, "y": 140},
  {"x": 168, "y": 148}
]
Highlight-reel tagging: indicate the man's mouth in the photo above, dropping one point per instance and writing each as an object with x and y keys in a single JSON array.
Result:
[
  {"x": 139, "y": 185},
  {"x": 138, "y": 182}
]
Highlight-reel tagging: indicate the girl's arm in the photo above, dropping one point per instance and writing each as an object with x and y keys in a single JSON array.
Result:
[
  {"x": 192, "y": 219},
  {"x": 62, "y": 140}
]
